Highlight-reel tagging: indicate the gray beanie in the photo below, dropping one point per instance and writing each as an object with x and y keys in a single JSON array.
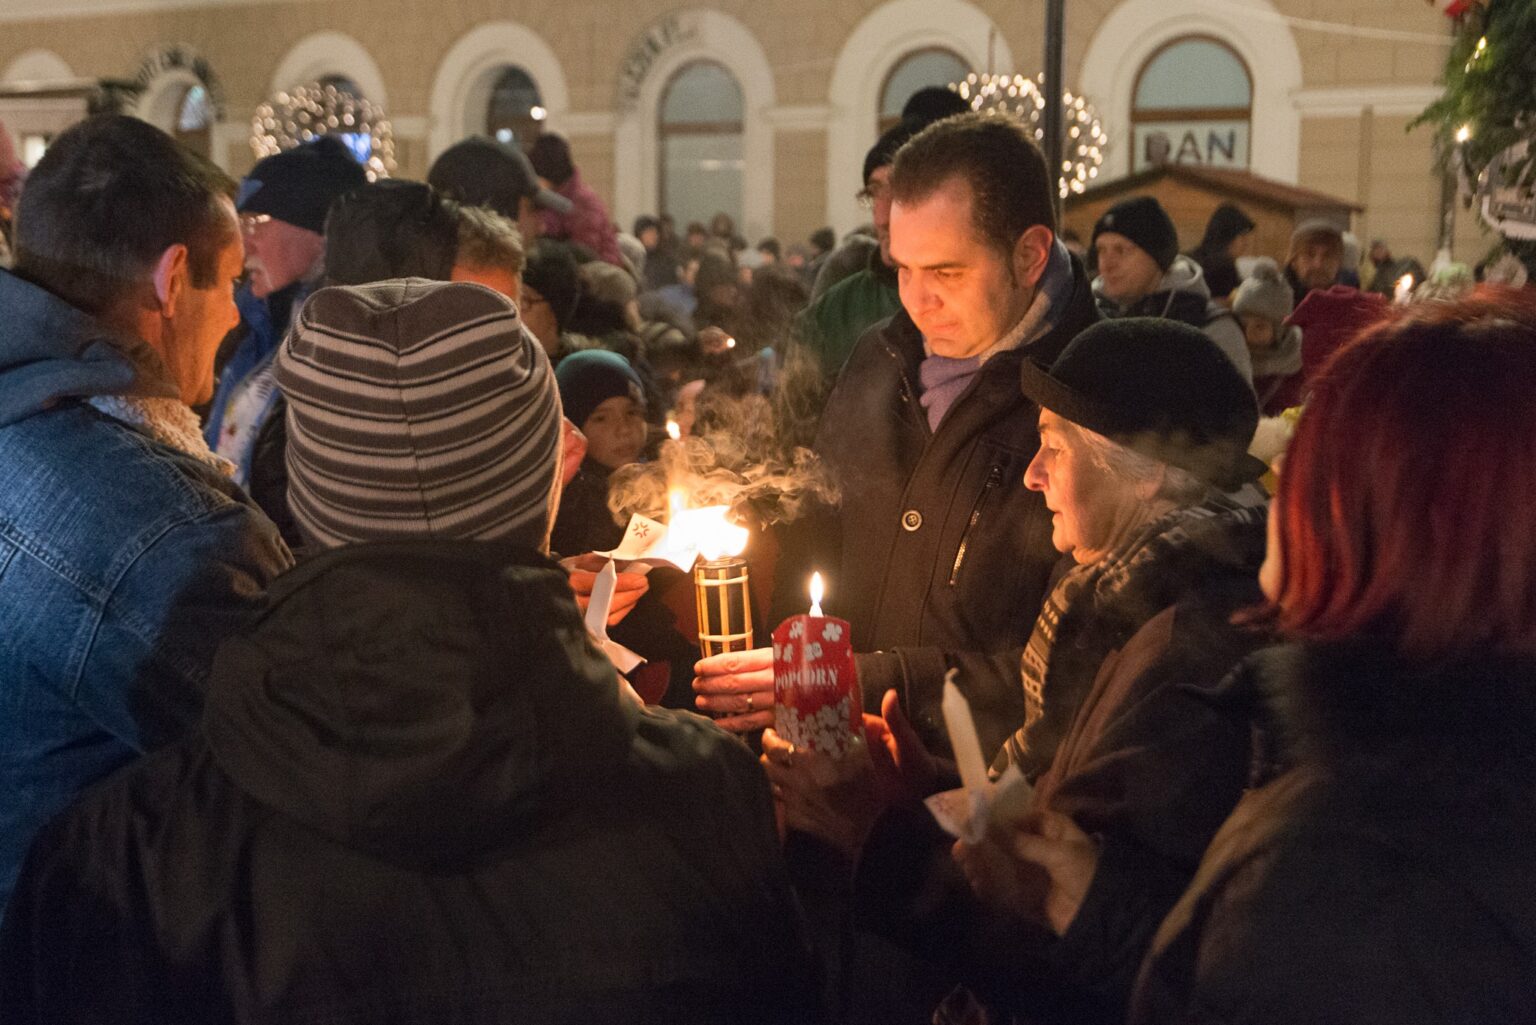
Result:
[
  {"x": 1264, "y": 293},
  {"x": 419, "y": 409}
]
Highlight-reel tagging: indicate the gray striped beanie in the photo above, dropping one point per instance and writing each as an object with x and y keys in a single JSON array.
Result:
[{"x": 419, "y": 409}]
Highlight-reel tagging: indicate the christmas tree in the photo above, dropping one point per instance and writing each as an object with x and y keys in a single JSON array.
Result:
[{"x": 1486, "y": 118}]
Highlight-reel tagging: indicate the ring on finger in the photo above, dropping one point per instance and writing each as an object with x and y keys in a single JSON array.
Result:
[
  {"x": 789, "y": 757},
  {"x": 749, "y": 701}
]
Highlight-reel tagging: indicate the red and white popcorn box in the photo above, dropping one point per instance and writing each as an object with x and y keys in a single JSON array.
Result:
[{"x": 815, "y": 685}]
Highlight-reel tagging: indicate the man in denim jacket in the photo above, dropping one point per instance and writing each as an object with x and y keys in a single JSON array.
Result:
[{"x": 126, "y": 553}]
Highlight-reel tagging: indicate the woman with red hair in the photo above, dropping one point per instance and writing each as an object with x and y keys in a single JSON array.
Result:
[{"x": 1385, "y": 874}]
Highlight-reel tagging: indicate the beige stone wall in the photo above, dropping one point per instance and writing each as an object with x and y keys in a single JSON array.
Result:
[
  {"x": 799, "y": 174},
  {"x": 408, "y": 40}
]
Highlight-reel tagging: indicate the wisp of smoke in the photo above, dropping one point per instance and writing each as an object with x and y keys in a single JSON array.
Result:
[{"x": 746, "y": 452}]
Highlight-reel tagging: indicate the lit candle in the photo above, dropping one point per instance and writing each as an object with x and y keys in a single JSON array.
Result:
[
  {"x": 673, "y": 430},
  {"x": 816, "y": 699},
  {"x": 1404, "y": 289},
  {"x": 962, "y": 737}
]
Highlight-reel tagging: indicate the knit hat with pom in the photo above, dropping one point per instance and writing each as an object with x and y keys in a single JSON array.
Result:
[{"x": 1264, "y": 293}]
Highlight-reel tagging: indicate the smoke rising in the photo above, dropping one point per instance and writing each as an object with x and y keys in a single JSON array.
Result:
[{"x": 747, "y": 451}]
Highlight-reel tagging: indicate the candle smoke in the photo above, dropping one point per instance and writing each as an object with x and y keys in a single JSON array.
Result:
[{"x": 747, "y": 452}]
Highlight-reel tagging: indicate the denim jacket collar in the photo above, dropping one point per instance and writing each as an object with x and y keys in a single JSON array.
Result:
[{"x": 49, "y": 350}]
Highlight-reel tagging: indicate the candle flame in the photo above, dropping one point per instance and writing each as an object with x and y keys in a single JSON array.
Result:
[
  {"x": 673, "y": 431},
  {"x": 730, "y": 343},
  {"x": 716, "y": 535},
  {"x": 1404, "y": 288},
  {"x": 818, "y": 589}
]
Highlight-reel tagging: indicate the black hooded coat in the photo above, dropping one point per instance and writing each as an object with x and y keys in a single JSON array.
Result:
[{"x": 417, "y": 795}]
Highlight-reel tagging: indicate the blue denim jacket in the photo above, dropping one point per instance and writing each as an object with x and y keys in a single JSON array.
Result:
[{"x": 123, "y": 563}]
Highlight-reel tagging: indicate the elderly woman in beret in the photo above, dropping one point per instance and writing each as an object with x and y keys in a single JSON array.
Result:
[{"x": 1144, "y": 427}]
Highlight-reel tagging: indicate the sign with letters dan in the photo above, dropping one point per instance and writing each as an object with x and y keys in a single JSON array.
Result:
[{"x": 1202, "y": 143}]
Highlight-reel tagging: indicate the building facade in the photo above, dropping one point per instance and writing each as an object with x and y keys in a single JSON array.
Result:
[{"x": 765, "y": 110}]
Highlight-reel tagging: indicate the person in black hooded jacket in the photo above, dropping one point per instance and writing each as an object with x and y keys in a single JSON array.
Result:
[
  {"x": 1226, "y": 238},
  {"x": 418, "y": 792}
]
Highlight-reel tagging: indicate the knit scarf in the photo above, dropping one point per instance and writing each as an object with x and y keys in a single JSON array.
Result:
[
  {"x": 945, "y": 378},
  {"x": 169, "y": 421},
  {"x": 1094, "y": 609}
]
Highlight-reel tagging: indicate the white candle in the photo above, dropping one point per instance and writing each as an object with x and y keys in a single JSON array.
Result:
[
  {"x": 962, "y": 737},
  {"x": 817, "y": 590}
]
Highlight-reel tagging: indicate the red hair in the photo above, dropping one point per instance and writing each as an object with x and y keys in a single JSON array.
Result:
[{"x": 1407, "y": 502}]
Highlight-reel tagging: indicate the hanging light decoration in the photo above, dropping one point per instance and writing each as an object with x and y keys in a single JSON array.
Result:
[
  {"x": 307, "y": 112},
  {"x": 1021, "y": 96}
]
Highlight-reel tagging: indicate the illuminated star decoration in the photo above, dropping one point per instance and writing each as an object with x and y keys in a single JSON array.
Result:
[
  {"x": 307, "y": 112},
  {"x": 1083, "y": 149}
]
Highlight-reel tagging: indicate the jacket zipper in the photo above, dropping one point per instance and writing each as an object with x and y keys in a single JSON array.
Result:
[{"x": 994, "y": 478}]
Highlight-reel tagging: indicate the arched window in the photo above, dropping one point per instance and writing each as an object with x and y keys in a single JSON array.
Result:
[
  {"x": 194, "y": 119},
  {"x": 701, "y": 144},
  {"x": 1193, "y": 104},
  {"x": 515, "y": 111},
  {"x": 916, "y": 71}
]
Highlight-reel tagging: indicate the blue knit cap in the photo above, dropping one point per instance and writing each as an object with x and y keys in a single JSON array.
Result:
[{"x": 589, "y": 378}]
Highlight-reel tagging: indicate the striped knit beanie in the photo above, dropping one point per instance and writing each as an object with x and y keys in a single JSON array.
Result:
[{"x": 419, "y": 409}]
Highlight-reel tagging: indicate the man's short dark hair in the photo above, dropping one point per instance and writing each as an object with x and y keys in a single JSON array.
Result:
[
  {"x": 108, "y": 197},
  {"x": 994, "y": 155}
]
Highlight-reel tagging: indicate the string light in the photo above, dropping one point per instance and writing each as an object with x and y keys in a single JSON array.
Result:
[
  {"x": 300, "y": 115},
  {"x": 1023, "y": 97}
]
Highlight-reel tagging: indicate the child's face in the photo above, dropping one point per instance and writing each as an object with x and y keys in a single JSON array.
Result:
[
  {"x": 615, "y": 432},
  {"x": 1259, "y": 332}
]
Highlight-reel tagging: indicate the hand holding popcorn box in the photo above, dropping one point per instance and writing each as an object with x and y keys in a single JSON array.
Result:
[{"x": 815, "y": 685}]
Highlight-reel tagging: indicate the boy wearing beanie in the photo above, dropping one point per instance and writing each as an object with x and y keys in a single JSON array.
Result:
[
  {"x": 417, "y": 792},
  {"x": 1141, "y": 274},
  {"x": 1262, "y": 303},
  {"x": 603, "y": 396}
]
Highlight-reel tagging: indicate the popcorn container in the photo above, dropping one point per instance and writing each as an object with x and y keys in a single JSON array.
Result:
[{"x": 815, "y": 685}]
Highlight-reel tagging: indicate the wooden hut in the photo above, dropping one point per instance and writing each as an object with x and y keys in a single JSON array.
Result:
[{"x": 1190, "y": 194}]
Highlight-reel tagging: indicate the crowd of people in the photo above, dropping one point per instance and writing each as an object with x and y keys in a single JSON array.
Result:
[{"x": 302, "y": 479}]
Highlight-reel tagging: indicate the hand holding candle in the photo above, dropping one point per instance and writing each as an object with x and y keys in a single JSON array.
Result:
[
  {"x": 968, "y": 812},
  {"x": 963, "y": 739},
  {"x": 815, "y": 682}
]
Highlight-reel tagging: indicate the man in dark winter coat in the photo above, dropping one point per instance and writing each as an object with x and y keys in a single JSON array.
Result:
[
  {"x": 418, "y": 792},
  {"x": 939, "y": 555},
  {"x": 126, "y": 553},
  {"x": 1144, "y": 425},
  {"x": 1141, "y": 274}
]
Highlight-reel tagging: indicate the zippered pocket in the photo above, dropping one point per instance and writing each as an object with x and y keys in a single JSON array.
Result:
[{"x": 994, "y": 478}]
